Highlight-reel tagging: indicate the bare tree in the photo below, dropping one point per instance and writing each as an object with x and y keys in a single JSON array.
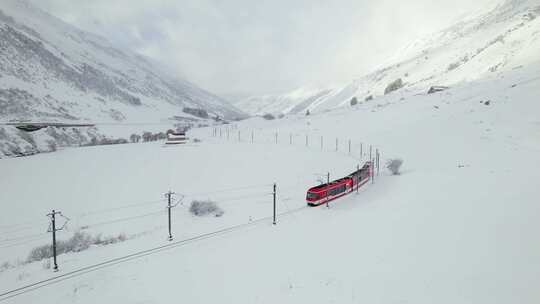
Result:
[
  {"x": 394, "y": 165},
  {"x": 135, "y": 138},
  {"x": 147, "y": 136}
]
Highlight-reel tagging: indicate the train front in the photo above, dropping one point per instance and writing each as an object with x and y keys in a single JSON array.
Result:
[{"x": 314, "y": 197}]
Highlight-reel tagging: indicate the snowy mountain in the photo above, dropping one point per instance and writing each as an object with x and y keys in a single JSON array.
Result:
[
  {"x": 504, "y": 38},
  {"x": 51, "y": 71}
]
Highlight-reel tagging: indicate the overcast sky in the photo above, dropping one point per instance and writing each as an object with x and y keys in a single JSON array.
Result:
[{"x": 254, "y": 47}]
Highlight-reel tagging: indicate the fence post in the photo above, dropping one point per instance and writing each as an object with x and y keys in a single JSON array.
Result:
[
  {"x": 378, "y": 161},
  {"x": 290, "y": 138},
  {"x": 372, "y": 171},
  {"x": 361, "y": 150},
  {"x": 321, "y": 142},
  {"x": 336, "y": 144},
  {"x": 276, "y": 137},
  {"x": 349, "y": 146},
  {"x": 274, "y": 195},
  {"x": 251, "y": 136}
]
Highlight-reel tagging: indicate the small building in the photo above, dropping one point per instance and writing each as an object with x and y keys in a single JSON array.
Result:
[{"x": 176, "y": 138}]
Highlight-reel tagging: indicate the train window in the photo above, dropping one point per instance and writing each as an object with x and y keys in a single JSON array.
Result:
[{"x": 311, "y": 195}]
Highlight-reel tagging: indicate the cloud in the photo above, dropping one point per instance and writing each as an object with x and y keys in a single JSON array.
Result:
[{"x": 256, "y": 47}]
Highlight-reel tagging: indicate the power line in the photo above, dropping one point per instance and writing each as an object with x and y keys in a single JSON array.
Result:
[
  {"x": 43, "y": 283},
  {"x": 24, "y": 237},
  {"x": 134, "y": 205},
  {"x": 119, "y": 220},
  {"x": 239, "y": 198},
  {"x": 29, "y": 225},
  {"x": 24, "y": 243},
  {"x": 229, "y": 189}
]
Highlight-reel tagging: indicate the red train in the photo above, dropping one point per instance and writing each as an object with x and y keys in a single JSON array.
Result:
[{"x": 327, "y": 192}]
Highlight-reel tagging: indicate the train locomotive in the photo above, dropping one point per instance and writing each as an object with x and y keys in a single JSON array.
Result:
[{"x": 324, "y": 193}]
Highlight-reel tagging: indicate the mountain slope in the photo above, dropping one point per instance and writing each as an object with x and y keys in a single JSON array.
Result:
[
  {"x": 50, "y": 70},
  {"x": 505, "y": 38}
]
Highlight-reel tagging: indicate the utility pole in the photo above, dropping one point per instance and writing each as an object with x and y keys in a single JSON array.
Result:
[
  {"x": 321, "y": 142},
  {"x": 371, "y": 171},
  {"x": 349, "y": 146},
  {"x": 251, "y": 136},
  {"x": 306, "y": 140},
  {"x": 169, "y": 196},
  {"x": 274, "y": 195},
  {"x": 276, "y": 137},
  {"x": 53, "y": 229},
  {"x": 327, "y": 183},
  {"x": 336, "y": 144},
  {"x": 361, "y": 152},
  {"x": 239, "y": 140},
  {"x": 377, "y": 160},
  {"x": 370, "y": 148},
  {"x": 357, "y": 178},
  {"x": 290, "y": 138}
]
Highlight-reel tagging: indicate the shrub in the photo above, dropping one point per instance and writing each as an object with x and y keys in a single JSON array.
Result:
[
  {"x": 393, "y": 86},
  {"x": 203, "y": 208},
  {"x": 78, "y": 242},
  {"x": 453, "y": 66},
  {"x": 51, "y": 145},
  {"x": 368, "y": 98},
  {"x": 268, "y": 116},
  {"x": 307, "y": 112},
  {"x": 135, "y": 138},
  {"x": 201, "y": 113},
  {"x": 394, "y": 165},
  {"x": 5, "y": 266},
  {"x": 147, "y": 136},
  {"x": 354, "y": 101},
  {"x": 161, "y": 135}
]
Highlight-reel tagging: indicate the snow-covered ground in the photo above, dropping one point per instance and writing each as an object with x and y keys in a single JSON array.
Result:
[{"x": 459, "y": 225}]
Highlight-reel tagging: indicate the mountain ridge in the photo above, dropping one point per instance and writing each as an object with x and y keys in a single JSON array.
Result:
[
  {"x": 41, "y": 52},
  {"x": 504, "y": 37}
]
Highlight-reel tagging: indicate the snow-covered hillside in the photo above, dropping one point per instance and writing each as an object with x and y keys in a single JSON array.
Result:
[
  {"x": 459, "y": 225},
  {"x": 505, "y": 38},
  {"x": 53, "y": 71}
]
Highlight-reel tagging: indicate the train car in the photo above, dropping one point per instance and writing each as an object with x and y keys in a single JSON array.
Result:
[{"x": 324, "y": 193}]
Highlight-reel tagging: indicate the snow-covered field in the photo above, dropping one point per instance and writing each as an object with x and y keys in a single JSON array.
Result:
[{"x": 459, "y": 225}]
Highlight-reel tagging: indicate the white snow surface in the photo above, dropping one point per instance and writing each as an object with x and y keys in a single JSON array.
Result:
[{"x": 459, "y": 225}]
